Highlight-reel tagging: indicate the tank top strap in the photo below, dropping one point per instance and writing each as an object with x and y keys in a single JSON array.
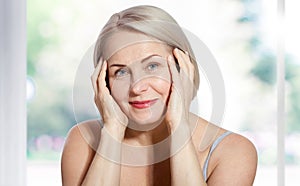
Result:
[
  {"x": 212, "y": 148},
  {"x": 101, "y": 123}
]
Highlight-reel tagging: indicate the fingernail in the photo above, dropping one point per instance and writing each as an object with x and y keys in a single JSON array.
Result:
[{"x": 177, "y": 50}]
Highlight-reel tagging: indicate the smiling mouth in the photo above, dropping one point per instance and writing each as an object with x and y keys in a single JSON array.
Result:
[{"x": 142, "y": 104}]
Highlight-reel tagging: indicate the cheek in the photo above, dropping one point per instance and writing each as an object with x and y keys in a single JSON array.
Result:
[
  {"x": 162, "y": 83},
  {"x": 119, "y": 89},
  {"x": 165, "y": 84},
  {"x": 162, "y": 87}
]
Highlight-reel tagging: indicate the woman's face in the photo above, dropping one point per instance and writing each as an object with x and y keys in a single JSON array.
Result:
[{"x": 139, "y": 80}]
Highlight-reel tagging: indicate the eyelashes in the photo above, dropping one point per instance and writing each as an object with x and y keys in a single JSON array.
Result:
[
  {"x": 121, "y": 72},
  {"x": 149, "y": 67},
  {"x": 152, "y": 66}
]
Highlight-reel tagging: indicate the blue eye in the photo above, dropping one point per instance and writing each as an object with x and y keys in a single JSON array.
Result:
[
  {"x": 121, "y": 72},
  {"x": 152, "y": 66}
]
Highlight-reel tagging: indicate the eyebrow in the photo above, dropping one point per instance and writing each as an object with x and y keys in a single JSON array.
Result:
[{"x": 143, "y": 60}]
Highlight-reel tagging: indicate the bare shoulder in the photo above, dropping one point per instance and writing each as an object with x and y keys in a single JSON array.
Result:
[
  {"x": 84, "y": 133},
  {"x": 79, "y": 151},
  {"x": 234, "y": 162}
]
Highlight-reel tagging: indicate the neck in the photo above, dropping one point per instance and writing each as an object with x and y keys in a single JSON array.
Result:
[{"x": 155, "y": 135}]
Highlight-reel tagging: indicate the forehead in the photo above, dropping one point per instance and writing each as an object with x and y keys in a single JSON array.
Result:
[
  {"x": 139, "y": 51},
  {"x": 127, "y": 41}
]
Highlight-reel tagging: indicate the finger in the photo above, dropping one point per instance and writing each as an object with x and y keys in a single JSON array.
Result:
[
  {"x": 187, "y": 78},
  {"x": 101, "y": 83},
  {"x": 190, "y": 65},
  {"x": 176, "y": 89},
  {"x": 181, "y": 60},
  {"x": 103, "y": 70},
  {"x": 185, "y": 63},
  {"x": 95, "y": 75},
  {"x": 174, "y": 73}
]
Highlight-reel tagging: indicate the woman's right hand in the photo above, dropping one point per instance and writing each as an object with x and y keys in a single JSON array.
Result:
[{"x": 115, "y": 121}]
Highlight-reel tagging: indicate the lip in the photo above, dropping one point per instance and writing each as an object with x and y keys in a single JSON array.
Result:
[{"x": 142, "y": 104}]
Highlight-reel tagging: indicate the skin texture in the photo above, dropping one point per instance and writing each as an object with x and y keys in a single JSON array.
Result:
[
  {"x": 233, "y": 162},
  {"x": 145, "y": 79}
]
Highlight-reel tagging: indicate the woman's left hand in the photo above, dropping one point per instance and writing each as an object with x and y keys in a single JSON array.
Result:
[{"x": 182, "y": 89}]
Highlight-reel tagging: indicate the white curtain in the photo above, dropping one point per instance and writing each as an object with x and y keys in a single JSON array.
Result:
[{"x": 12, "y": 92}]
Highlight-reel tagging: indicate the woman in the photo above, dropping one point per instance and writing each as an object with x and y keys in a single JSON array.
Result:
[{"x": 144, "y": 81}]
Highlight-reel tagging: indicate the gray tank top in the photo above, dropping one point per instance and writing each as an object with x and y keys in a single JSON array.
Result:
[{"x": 214, "y": 145}]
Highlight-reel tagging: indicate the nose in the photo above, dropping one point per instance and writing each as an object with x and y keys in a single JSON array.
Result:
[
  {"x": 139, "y": 86},
  {"x": 138, "y": 82}
]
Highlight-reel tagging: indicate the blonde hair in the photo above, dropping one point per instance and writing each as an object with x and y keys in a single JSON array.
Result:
[{"x": 151, "y": 21}]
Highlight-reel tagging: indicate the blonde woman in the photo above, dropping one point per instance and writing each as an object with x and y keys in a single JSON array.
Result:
[{"x": 145, "y": 78}]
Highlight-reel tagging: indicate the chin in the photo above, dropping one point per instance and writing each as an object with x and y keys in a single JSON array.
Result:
[{"x": 145, "y": 123}]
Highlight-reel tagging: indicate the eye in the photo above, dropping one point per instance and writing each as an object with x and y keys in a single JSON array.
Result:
[
  {"x": 152, "y": 66},
  {"x": 121, "y": 72}
]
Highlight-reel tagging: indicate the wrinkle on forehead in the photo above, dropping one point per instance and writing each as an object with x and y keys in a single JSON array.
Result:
[
  {"x": 140, "y": 52},
  {"x": 122, "y": 39}
]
